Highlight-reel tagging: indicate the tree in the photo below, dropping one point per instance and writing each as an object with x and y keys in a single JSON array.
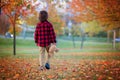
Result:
[
  {"x": 105, "y": 11},
  {"x": 33, "y": 19},
  {"x": 4, "y": 24},
  {"x": 66, "y": 31},
  {"x": 18, "y": 29},
  {"x": 92, "y": 27},
  {"x": 15, "y": 9},
  {"x": 54, "y": 18},
  {"x": 75, "y": 30}
]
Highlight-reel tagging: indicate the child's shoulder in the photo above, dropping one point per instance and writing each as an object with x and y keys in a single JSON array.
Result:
[
  {"x": 44, "y": 23},
  {"x": 48, "y": 22},
  {"x": 38, "y": 23}
]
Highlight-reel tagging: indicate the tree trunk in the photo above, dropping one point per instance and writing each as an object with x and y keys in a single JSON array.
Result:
[
  {"x": 114, "y": 36},
  {"x": 108, "y": 36},
  {"x": 14, "y": 38},
  {"x": 117, "y": 33},
  {"x": 73, "y": 40},
  {"x": 82, "y": 37},
  {"x": 82, "y": 41},
  {"x": 0, "y": 8}
]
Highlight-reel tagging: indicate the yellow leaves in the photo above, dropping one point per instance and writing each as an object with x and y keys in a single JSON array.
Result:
[
  {"x": 110, "y": 78},
  {"x": 19, "y": 21},
  {"x": 18, "y": 29},
  {"x": 81, "y": 72},
  {"x": 92, "y": 27}
]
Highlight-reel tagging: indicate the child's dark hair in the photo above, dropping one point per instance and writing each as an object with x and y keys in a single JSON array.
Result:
[{"x": 43, "y": 16}]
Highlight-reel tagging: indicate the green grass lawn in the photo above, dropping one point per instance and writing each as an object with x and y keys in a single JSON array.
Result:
[
  {"x": 26, "y": 46},
  {"x": 21, "y": 43}
]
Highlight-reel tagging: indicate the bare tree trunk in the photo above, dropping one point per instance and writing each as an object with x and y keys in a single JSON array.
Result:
[
  {"x": 82, "y": 40},
  {"x": 108, "y": 36},
  {"x": 82, "y": 37},
  {"x": 14, "y": 38},
  {"x": 114, "y": 36},
  {"x": 0, "y": 7},
  {"x": 117, "y": 32},
  {"x": 73, "y": 40}
]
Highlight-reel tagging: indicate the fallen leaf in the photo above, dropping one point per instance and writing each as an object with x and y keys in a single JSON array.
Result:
[{"x": 16, "y": 76}]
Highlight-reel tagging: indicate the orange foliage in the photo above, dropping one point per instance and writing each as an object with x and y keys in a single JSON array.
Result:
[
  {"x": 105, "y": 11},
  {"x": 33, "y": 20},
  {"x": 55, "y": 19},
  {"x": 16, "y": 8}
]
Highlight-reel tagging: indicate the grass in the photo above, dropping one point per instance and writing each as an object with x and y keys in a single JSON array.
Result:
[
  {"x": 26, "y": 46},
  {"x": 96, "y": 39}
]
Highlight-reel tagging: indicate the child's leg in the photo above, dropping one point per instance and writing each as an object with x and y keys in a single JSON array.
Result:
[
  {"x": 42, "y": 56},
  {"x": 48, "y": 57}
]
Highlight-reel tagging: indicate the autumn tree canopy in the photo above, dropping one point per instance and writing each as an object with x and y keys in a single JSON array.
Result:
[
  {"x": 107, "y": 12},
  {"x": 32, "y": 20},
  {"x": 54, "y": 18},
  {"x": 16, "y": 9}
]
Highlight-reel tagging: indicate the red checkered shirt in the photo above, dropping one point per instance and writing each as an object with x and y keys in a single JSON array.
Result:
[{"x": 44, "y": 34}]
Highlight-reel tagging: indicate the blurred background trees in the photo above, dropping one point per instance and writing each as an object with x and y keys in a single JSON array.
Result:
[
  {"x": 71, "y": 18},
  {"x": 15, "y": 10},
  {"x": 95, "y": 14},
  {"x": 106, "y": 12}
]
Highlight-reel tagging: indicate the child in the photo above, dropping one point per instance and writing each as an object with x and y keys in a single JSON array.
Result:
[{"x": 44, "y": 36}]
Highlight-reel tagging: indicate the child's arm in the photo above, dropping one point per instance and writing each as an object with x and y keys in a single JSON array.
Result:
[
  {"x": 36, "y": 35},
  {"x": 52, "y": 35}
]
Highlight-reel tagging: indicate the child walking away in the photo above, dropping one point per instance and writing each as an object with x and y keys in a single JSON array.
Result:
[{"x": 44, "y": 37}]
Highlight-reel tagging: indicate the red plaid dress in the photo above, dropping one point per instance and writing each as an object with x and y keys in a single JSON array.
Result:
[{"x": 44, "y": 34}]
